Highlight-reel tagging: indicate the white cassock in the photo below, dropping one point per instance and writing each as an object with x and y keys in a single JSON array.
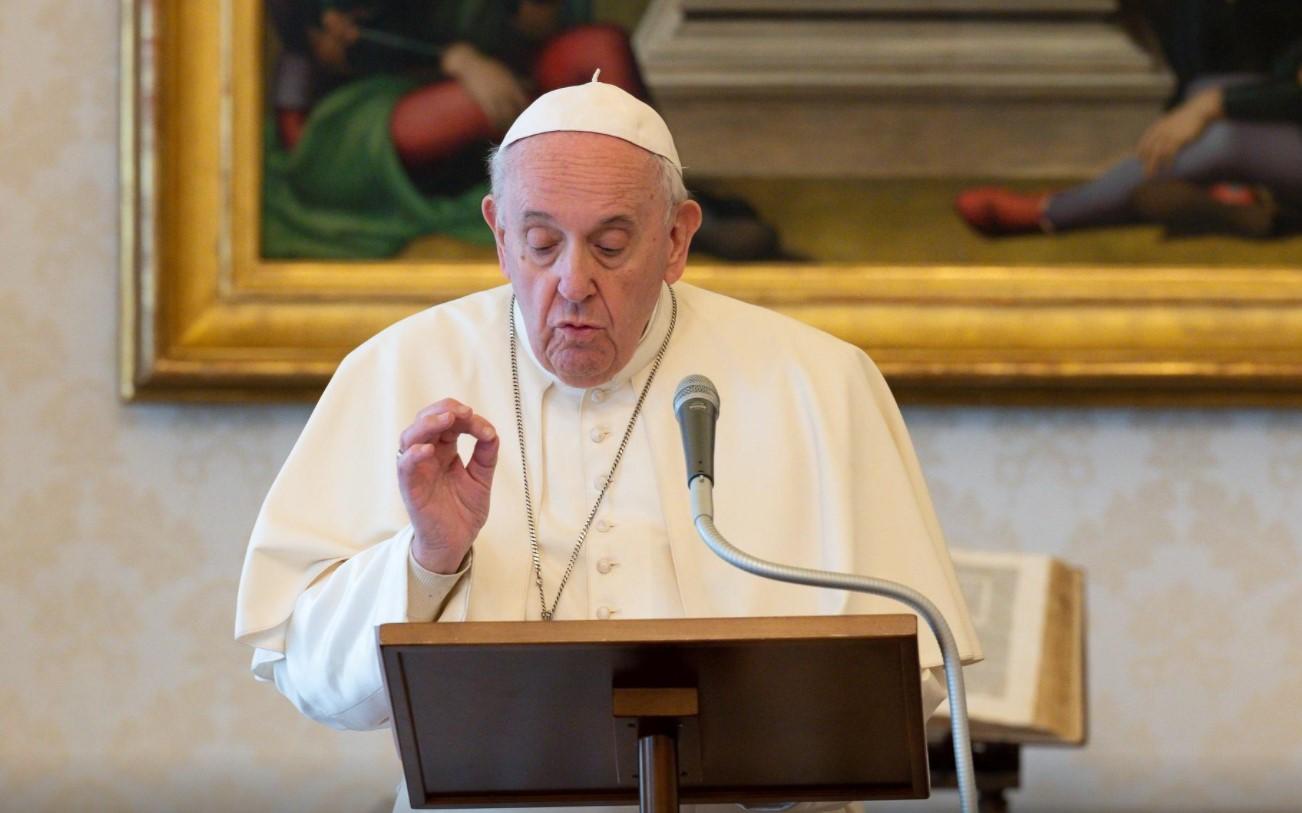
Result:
[{"x": 813, "y": 466}]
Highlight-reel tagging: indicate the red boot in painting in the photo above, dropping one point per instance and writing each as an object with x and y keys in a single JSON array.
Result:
[{"x": 996, "y": 211}]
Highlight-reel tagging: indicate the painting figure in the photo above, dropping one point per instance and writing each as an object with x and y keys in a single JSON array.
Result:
[
  {"x": 1226, "y": 159},
  {"x": 382, "y": 112}
]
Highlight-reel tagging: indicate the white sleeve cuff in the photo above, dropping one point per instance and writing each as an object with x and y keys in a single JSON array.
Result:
[
  {"x": 428, "y": 591},
  {"x": 934, "y": 690}
]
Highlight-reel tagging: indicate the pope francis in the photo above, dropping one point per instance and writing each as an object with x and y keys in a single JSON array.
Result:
[{"x": 539, "y": 472}]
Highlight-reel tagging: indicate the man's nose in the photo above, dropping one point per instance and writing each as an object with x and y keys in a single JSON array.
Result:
[{"x": 576, "y": 270}]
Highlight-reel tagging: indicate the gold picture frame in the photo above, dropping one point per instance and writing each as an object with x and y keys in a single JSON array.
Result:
[{"x": 204, "y": 317}]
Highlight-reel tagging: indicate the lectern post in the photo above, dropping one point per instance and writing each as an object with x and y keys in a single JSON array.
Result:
[
  {"x": 657, "y": 763},
  {"x": 657, "y": 715}
]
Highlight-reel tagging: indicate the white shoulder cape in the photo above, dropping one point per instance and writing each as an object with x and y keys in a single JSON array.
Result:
[{"x": 814, "y": 468}]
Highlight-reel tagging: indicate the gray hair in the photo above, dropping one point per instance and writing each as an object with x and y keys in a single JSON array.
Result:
[{"x": 671, "y": 180}]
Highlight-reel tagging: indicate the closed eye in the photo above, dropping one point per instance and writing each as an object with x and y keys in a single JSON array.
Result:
[{"x": 541, "y": 240}]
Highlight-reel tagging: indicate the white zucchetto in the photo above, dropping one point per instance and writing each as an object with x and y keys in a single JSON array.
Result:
[{"x": 596, "y": 107}]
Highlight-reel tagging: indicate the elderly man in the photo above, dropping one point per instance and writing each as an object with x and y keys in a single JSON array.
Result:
[{"x": 539, "y": 473}]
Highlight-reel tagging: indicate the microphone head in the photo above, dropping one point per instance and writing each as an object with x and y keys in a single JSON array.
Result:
[{"x": 696, "y": 386}]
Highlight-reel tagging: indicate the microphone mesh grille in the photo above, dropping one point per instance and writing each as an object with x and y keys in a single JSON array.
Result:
[{"x": 696, "y": 386}]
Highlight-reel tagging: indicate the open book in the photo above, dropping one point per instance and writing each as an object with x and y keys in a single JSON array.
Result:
[{"x": 1029, "y": 613}]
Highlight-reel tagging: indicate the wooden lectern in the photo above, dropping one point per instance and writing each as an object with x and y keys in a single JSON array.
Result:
[{"x": 750, "y": 710}]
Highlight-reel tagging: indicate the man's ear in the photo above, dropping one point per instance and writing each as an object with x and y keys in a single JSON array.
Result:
[
  {"x": 687, "y": 219},
  {"x": 489, "y": 209}
]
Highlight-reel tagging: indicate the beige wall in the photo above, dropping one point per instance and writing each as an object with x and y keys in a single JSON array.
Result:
[{"x": 122, "y": 530}]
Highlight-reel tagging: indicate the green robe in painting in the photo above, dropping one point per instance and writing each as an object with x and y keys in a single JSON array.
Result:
[{"x": 342, "y": 193}]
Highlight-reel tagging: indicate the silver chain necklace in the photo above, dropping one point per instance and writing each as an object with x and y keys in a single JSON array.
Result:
[{"x": 524, "y": 467}]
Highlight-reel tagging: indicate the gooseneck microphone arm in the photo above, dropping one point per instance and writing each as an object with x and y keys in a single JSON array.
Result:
[{"x": 701, "y": 485}]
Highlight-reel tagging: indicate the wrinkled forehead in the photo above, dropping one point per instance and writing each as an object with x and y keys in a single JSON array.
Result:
[{"x": 575, "y": 173}]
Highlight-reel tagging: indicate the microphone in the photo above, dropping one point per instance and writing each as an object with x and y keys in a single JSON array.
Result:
[{"x": 696, "y": 403}]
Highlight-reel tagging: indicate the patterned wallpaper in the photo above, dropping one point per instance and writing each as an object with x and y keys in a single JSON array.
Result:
[{"x": 122, "y": 530}]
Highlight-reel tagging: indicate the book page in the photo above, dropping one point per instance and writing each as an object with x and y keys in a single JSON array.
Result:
[{"x": 1006, "y": 594}]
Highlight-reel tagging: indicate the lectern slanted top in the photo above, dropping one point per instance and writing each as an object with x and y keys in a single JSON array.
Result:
[{"x": 814, "y": 708}]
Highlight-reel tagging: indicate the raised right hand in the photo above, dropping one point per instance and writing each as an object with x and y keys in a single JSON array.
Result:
[{"x": 446, "y": 500}]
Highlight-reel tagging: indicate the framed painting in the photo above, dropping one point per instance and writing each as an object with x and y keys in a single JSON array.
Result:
[{"x": 291, "y": 185}]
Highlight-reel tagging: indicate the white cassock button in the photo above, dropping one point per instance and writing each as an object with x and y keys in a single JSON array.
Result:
[
  {"x": 603, "y": 525},
  {"x": 604, "y": 613},
  {"x": 598, "y": 434},
  {"x": 598, "y": 395},
  {"x": 598, "y": 482},
  {"x": 604, "y": 566}
]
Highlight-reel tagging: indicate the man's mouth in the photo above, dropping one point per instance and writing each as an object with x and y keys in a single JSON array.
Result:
[{"x": 576, "y": 330}]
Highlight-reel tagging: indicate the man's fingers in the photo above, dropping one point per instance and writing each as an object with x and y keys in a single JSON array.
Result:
[
  {"x": 444, "y": 428},
  {"x": 484, "y": 461},
  {"x": 426, "y": 429},
  {"x": 432, "y": 419},
  {"x": 475, "y": 425},
  {"x": 444, "y": 405},
  {"x": 427, "y": 460},
  {"x": 413, "y": 457}
]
